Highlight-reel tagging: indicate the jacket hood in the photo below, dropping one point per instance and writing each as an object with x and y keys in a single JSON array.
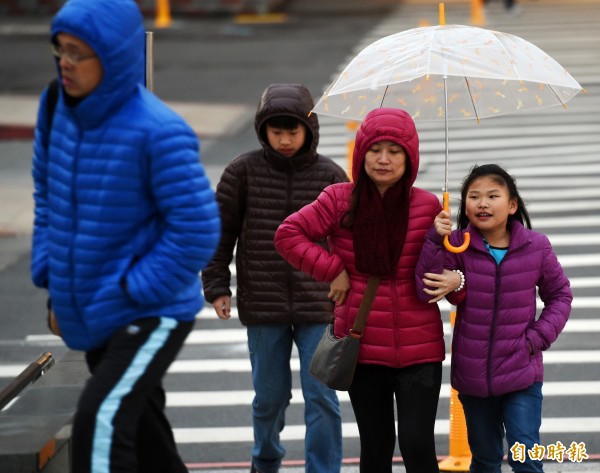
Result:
[
  {"x": 384, "y": 124},
  {"x": 114, "y": 30},
  {"x": 293, "y": 100}
]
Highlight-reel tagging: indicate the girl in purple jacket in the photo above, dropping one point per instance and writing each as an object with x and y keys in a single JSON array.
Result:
[{"x": 498, "y": 340}]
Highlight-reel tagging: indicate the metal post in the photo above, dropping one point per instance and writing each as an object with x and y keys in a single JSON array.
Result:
[
  {"x": 29, "y": 375},
  {"x": 150, "y": 61},
  {"x": 446, "y": 160}
]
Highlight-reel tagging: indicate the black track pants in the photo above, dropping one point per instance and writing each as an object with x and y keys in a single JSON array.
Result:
[{"x": 120, "y": 425}]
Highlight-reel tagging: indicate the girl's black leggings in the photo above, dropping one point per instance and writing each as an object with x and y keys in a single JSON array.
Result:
[{"x": 416, "y": 391}]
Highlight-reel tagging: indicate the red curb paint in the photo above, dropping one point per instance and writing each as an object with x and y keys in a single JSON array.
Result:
[
  {"x": 346, "y": 461},
  {"x": 16, "y": 132}
]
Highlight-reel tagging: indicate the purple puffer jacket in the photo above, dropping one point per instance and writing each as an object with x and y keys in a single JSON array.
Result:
[{"x": 496, "y": 311}]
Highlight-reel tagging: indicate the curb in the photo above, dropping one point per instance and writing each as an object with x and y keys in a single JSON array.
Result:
[{"x": 207, "y": 120}]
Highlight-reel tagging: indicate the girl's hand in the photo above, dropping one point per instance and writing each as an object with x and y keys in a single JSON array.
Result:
[
  {"x": 339, "y": 288},
  {"x": 442, "y": 223},
  {"x": 443, "y": 284}
]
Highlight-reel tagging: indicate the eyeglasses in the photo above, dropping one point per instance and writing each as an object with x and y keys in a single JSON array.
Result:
[{"x": 71, "y": 57}]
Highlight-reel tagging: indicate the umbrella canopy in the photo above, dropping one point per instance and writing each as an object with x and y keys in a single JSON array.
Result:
[
  {"x": 448, "y": 72},
  {"x": 487, "y": 73}
]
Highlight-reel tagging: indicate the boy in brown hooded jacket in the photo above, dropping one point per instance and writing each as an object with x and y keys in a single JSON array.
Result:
[{"x": 278, "y": 304}]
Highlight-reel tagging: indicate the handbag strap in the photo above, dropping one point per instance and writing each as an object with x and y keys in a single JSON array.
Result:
[{"x": 365, "y": 307}]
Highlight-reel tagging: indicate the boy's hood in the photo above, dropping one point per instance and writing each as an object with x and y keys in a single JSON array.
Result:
[{"x": 287, "y": 99}]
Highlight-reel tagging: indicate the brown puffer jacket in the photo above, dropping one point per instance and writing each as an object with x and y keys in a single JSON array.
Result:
[{"x": 257, "y": 191}]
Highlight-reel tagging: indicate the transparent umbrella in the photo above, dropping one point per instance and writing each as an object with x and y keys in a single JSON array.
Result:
[{"x": 448, "y": 72}]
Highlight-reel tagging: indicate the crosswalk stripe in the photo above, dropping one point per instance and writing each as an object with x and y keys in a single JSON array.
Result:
[
  {"x": 567, "y": 261},
  {"x": 567, "y": 206},
  {"x": 554, "y": 425},
  {"x": 238, "y": 335},
  {"x": 577, "y": 261},
  {"x": 214, "y": 336},
  {"x": 577, "y": 283},
  {"x": 243, "y": 365},
  {"x": 245, "y": 397},
  {"x": 579, "y": 302}
]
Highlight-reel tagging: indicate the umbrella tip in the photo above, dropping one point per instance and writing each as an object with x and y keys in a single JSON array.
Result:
[{"x": 442, "y": 14}]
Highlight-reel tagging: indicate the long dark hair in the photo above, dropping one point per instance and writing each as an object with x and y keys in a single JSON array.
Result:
[
  {"x": 499, "y": 175},
  {"x": 348, "y": 218}
]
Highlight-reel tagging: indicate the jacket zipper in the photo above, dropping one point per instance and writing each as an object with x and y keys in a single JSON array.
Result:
[
  {"x": 394, "y": 311},
  {"x": 75, "y": 224},
  {"x": 493, "y": 325},
  {"x": 289, "y": 271}
]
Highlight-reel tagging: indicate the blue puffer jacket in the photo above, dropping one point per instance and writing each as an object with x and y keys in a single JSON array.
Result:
[{"x": 124, "y": 215}]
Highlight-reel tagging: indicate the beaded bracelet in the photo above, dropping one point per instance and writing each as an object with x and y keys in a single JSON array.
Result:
[{"x": 462, "y": 280}]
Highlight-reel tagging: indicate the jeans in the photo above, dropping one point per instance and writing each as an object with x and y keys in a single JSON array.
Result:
[
  {"x": 415, "y": 390},
  {"x": 518, "y": 413},
  {"x": 270, "y": 349}
]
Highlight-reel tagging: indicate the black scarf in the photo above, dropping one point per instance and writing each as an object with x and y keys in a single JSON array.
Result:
[{"x": 380, "y": 227}]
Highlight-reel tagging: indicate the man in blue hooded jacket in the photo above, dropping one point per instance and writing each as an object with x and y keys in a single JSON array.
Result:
[{"x": 124, "y": 221}]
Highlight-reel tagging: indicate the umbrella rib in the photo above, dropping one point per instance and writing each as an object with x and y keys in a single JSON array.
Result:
[
  {"x": 471, "y": 97},
  {"x": 383, "y": 98},
  {"x": 557, "y": 96},
  {"x": 510, "y": 56}
]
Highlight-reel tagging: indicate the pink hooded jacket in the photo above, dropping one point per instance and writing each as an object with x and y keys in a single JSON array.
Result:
[{"x": 401, "y": 329}]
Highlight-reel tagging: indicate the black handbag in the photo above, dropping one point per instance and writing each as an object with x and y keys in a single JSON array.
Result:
[{"x": 334, "y": 360}]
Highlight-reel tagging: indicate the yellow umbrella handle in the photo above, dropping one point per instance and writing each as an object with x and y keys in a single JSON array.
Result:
[{"x": 466, "y": 241}]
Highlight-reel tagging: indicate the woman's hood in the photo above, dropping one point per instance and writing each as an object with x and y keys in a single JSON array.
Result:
[{"x": 390, "y": 124}]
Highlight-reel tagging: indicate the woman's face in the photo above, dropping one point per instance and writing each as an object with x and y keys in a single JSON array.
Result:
[{"x": 385, "y": 164}]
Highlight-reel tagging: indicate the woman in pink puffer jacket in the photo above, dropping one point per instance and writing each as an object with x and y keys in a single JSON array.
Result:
[{"x": 376, "y": 225}]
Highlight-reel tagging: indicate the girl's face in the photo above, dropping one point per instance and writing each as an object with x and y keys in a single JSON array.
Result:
[
  {"x": 385, "y": 164},
  {"x": 488, "y": 205}
]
